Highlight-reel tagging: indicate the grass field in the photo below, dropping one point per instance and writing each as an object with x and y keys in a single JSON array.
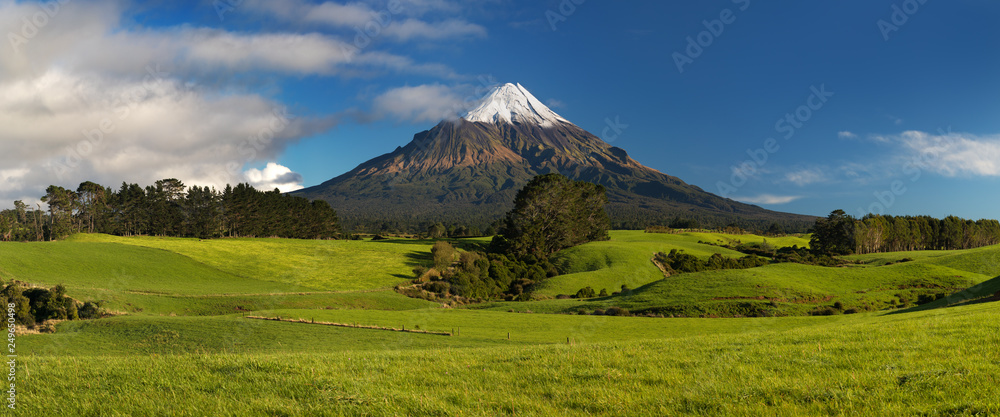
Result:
[
  {"x": 184, "y": 347},
  {"x": 344, "y": 265},
  {"x": 626, "y": 258},
  {"x": 930, "y": 363}
]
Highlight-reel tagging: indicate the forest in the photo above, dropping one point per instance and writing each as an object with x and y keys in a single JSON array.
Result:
[
  {"x": 842, "y": 234},
  {"x": 169, "y": 208}
]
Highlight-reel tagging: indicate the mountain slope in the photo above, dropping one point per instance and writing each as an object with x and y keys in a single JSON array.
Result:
[{"x": 468, "y": 170}]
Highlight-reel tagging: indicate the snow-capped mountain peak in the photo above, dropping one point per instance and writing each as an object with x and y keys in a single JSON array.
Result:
[{"x": 513, "y": 103}]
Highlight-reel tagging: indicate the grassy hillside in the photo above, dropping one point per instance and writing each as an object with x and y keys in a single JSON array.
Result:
[
  {"x": 169, "y": 276},
  {"x": 626, "y": 258},
  {"x": 340, "y": 265},
  {"x": 890, "y": 280}
]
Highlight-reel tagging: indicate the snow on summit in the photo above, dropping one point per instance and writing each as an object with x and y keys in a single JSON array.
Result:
[{"x": 513, "y": 103}]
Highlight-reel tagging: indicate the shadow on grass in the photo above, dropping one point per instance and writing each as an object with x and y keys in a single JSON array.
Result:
[
  {"x": 470, "y": 244},
  {"x": 415, "y": 258},
  {"x": 983, "y": 292}
]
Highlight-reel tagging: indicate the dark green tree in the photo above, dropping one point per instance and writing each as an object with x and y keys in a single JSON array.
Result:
[
  {"x": 552, "y": 213},
  {"x": 834, "y": 234}
]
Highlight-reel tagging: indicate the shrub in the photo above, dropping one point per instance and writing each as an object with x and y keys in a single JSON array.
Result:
[
  {"x": 598, "y": 312},
  {"x": 824, "y": 311},
  {"x": 585, "y": 292},
  {"x": 419, "y": 271},
  {"x": 440, "y": 287},
  {"x": 616, "y": 311},
  {"x": 90, "y": 310},
  {"x": 47, "y": 327},
  {"x": 838, "y": 305},
  {"x": 604, "y": 292},
  {"x": 443, "y": 253}
]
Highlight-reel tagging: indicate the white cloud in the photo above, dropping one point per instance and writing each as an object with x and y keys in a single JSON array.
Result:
[
  {"x": 423, "y": 103},
  {"x": 90, "y": 97},
  {"x": 952, "y": 154},
  {"x": 806, "y": 176},
  {"x": 62, "y": 128},
  {"x": 452, "y": 28},
  {"x": 274, "y": 176},
  {"x": 846, "y": 135},
  {"x": 369, "y": 23},
  {"x": 768, "y": 199},
  {"x": 82, "y": 39},
  {"x": 555, "y": 103}
]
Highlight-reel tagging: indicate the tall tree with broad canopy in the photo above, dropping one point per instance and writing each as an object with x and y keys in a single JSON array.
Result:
[
  {"x": 834, "y": 235},
  {"x": 552, "y": 213}
]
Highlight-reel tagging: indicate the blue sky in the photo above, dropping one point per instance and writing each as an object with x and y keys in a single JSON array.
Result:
[{"x": 285, "y": 93}]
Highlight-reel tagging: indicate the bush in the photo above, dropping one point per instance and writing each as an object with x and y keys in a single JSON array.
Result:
[
  {"x": 443, "y": 253},
  {"x": 604, "y": 292},
  {"x": 90, "y": 310},
  {"x": 824, "y": 311},
  {"x": 598, "y": 312},
  {"x": 419, "y": 271},
  {"x": 617, "y": 311},
  {"x": 585, "y": 292},
  {"x": 838, "y": 305},
  {"x": 439, "y": 287}
]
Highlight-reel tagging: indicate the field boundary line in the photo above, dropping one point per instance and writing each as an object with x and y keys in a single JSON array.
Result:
[{"x": 354, "y": 326}]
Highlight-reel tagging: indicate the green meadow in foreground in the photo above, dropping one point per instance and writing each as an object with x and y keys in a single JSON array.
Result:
[
  {"x": 184, "y": 347},
  {"x": 941, "y": 362}
]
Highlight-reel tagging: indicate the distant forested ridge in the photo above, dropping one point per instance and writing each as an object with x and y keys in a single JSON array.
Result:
[
  {"x": 842, "y": 234},
  {"x": 169, "y": 208}
]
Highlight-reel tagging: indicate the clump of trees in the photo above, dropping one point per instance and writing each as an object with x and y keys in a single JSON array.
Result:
[
  {"x": 841, "y": 234},
  {"x": 478, "y": 275},
  {"x": 34, "y": 306},
  {"x": 169, "y": 208},
  {"x": 550, "y": 213},
  {"x": 793, "y": 253},
  {"x": 678, "y": 262}
]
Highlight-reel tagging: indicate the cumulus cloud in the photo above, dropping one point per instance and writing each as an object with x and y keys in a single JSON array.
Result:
[
  {"x": 768, "y": 199},
  {"x": 847, "y": 135},
  {"x": 90, "y": 38},
  {"x": 63, "y": 128},
  {"x": 274, "y": 176},
  {"x": 423, "y": 103},
  {"x": 85, "y": 95}
]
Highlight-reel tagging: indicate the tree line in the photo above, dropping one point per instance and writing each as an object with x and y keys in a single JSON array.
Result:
[
  {"x": 169, "y": 208},
  {"x": 842, "y": 234}
]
